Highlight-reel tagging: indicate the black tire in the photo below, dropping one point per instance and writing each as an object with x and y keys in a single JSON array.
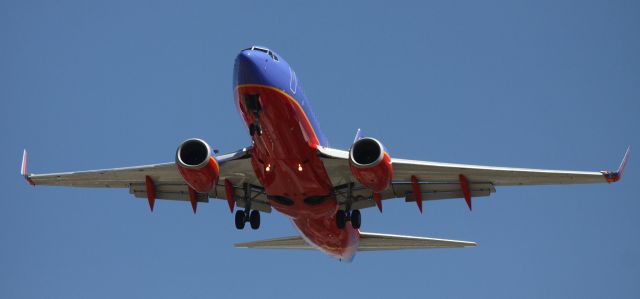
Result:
[
  {"x": 240, "y": 219},
  {"x": 254, "y": 219},
  {"x": 356, "y": 219},
  {"x": 341, "y": 219},
  {"x": 252, "y": 129}
]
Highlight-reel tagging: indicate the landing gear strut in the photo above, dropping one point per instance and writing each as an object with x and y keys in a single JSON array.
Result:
[{"x": 353, "y": 216}]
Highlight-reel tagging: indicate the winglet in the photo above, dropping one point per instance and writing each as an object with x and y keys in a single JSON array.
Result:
[
  {"x": 358, "y": 135},
  {"x": 614, "y": 176},
  {"x": 23, "y": 169}
]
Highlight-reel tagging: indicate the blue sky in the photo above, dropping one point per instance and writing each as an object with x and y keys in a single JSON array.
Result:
[{"x": 546, "y": 84}]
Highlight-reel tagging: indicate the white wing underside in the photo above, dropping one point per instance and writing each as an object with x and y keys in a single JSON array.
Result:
[
  {"x": 436, "y": 180},
  {"x": 167, "y": 180},
  {"x": 441, "y": 180},
  {"x": 368, "y": 242}
]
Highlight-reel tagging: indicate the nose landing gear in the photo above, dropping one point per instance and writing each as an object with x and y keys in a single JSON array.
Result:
[
  {"x": 252, "y": 104},
  {"x": 255, "y": 128}
]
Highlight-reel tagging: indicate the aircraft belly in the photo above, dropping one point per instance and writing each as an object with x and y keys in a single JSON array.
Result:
[{"x": 285, "y": 161}]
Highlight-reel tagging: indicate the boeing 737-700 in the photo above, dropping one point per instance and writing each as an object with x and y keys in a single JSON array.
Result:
[{"x": 290, "y": 167}]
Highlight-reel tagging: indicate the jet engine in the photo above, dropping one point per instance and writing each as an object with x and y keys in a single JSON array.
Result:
[
  {"x": 197, "y": 165},
  {"x": 370, "y": 164}
]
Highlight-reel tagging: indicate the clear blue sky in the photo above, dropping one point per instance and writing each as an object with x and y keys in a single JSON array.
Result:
[{"x": 99, "y": 84}]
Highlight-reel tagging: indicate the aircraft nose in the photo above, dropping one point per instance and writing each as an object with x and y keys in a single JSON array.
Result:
[
  {"x": 248, "y": 67},
  {"x": 244, "y": 59}
]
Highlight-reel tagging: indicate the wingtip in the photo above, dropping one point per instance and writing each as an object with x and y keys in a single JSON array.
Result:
[
  {"x": 24, "y": 170},
  {"x": 358, "y": 135},
  {"x": 614, "y": 176},
  {"x": 23, "y": 167}
]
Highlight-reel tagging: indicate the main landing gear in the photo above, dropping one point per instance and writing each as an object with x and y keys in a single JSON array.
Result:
[
  {"x": 245, "y": 216},
  {"x": 248, "y": 215},
  {"x": 343, "y": 216}
]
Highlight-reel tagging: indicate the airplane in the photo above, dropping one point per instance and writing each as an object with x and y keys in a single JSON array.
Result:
[{"x": 290, "y": 167}]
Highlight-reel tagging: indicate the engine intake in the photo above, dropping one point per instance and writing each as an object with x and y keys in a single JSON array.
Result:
[
  {"x": 196, "y": 164},
  {"x": 370, "y": 164}
]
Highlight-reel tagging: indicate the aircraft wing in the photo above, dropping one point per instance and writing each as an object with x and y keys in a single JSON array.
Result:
[
  {"x": 368, "y": 242},
  {"x": 444, "y": 180},
  {"x": 168, "y": 184}
]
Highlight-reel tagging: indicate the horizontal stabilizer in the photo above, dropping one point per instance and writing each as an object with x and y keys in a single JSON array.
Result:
[
  {"x": 375, "y": 242},
  {"x": 294, "y": 242},
  {"x": 368, "y": 242}
]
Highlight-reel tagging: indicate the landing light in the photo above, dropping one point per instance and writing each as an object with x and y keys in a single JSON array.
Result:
[
  {"x": 299, "y": 167},
  {"x": 268, "y": 168}
]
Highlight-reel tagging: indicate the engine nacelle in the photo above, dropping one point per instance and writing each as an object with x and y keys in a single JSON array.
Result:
[
  {"x": 370, "y": 164},
  {"x": 198, "y": 167}
]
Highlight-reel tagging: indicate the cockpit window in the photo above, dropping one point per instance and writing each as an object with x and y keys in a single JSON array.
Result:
[
  {"x": 261, "y": 50},
  {"x": 273, "y": 56}
]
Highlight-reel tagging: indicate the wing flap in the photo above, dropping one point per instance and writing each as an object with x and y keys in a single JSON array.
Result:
[
  {"x": 436, "y": 191},
  {"x": 180, "y": 192},
  {"x": 362, "y": 197}
]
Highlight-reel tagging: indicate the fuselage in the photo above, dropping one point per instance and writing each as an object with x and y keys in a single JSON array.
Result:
[{"x": 285, "y": 136}]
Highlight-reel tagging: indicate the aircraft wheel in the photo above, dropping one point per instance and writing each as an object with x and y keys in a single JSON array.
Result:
[
  {"x": 356, "y": 219},
  {"x": 254, "y": 219},
  {"x": 240, "y": 219},
  {"x": 341, "y": 218}
]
